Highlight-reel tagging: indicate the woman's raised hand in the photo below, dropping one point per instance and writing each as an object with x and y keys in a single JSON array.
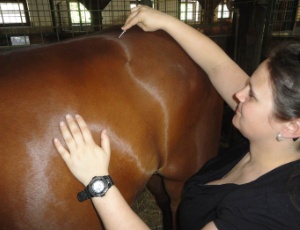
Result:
[
  {"x": 147, "y": 19},
  {"x": 83, "y": 156}
]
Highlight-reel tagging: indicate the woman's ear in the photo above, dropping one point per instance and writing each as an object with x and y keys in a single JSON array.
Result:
[{"x": 291, "y": 129}]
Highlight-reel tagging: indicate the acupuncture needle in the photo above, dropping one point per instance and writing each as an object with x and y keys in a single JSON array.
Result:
[{"x": 122, "y": 33}]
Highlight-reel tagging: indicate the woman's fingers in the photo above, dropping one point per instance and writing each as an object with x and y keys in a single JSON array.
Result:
[
  {"x": 134, "y": 9},
  {"x": 74, "y": 130},
  {"x": 133, "y": 12},
  {"x": 76, "y": 135},
  {"x": 146, "y": 18},
  {"x": 61, "y": 149},
  {"x": 105, "y": 143},
  {"x": 135, "y": 18},
  {"x": 68, "y": 137},
  {"x": 83, "y": 156},
  {"x": 131, "y": 21},
  {"x": 87, "y": 136}
]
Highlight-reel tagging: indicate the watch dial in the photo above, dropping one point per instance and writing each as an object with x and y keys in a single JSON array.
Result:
[{"x": 98, "y": 186}]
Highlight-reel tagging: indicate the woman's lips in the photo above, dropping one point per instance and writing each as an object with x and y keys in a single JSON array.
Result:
[{"x": 239, "y": 109}]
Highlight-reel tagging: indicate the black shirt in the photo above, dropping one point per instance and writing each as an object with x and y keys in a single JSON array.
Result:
[{"x": 261, "y": 204}]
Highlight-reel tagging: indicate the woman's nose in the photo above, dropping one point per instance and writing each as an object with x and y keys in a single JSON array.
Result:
[{"x": 242, "y": 95}]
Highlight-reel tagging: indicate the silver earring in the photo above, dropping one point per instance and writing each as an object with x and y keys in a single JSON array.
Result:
[{"x": 279, "y": 137}]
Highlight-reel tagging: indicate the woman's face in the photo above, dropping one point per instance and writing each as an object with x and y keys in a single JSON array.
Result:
[{"x": 255, "y": 106}]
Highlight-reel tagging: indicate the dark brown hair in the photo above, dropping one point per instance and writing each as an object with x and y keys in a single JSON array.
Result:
[{"x": 284, "y": 68}]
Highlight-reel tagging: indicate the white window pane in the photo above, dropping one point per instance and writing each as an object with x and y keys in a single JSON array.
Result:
[
  {"x": 12, "y": 13},
  {"x": 79, "y": 14},
  {"x": 223, "y": 11},
  {"x": 19, "y": 40}
]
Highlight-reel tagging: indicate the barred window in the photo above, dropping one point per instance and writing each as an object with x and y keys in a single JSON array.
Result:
[{"x": 14, "y": 13}]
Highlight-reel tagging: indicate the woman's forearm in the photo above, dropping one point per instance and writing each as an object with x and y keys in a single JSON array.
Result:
[
  {"x": 200, "y": 48},
  {"x": 226, "y": 76},
  {"x": 115, "y": 213}
]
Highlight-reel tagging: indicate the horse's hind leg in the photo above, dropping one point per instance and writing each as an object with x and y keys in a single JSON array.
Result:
[{"x": 167, "y": 194}]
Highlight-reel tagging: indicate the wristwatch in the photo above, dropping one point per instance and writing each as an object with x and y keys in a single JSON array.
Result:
[{"x": 98, "y": 187}]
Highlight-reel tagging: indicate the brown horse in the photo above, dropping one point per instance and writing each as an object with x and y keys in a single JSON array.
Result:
[{"x": 161, "y": 112}]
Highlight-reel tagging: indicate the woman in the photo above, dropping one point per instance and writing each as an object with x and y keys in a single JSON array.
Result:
[{"x": 253, "y": 188}]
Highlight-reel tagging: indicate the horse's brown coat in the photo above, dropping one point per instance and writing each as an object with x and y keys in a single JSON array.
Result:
[{"x": 159, "y": 108}]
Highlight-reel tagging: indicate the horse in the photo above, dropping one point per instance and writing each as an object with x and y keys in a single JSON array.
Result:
[{"x": 159, "y": 108}]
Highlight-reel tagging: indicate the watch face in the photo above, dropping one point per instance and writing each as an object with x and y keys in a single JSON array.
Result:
[{"x": 98, "y": 186}]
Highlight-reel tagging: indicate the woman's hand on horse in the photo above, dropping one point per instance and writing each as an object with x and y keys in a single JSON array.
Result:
[{"x": 83, "y": 156}]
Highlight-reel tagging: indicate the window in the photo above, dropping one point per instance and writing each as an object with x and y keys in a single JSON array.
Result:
[
  {"x": 298, "y": 13},
  {"x": 223, "y": 11},
  {"x": 79, "y": 14},
  {"x": 296, "y": 29},
  {"x": 19, "y": 40},
  {"x": 189, "y": 11},
  {"x": 13, "y": 13},
  {"x": 73, "y": 16}
]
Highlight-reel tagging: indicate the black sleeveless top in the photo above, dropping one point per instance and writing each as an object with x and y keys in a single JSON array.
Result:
[{"x": 260, "y": 204}]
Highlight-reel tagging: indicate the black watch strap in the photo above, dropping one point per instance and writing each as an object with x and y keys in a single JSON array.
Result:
[{"x": 85, "y": 194}]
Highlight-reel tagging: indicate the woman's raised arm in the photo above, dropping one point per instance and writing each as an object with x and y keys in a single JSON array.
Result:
[{"x": 226, "y": 76}]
